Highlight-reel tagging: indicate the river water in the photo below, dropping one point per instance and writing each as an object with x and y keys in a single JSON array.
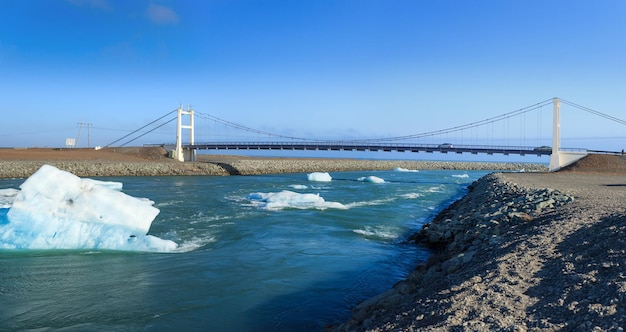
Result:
[{"x": 246, "y": 265}]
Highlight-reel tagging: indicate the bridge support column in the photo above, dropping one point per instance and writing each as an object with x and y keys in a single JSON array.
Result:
[
  {"x": 558, "y": 158},
  {"x": 556, "y": 135},
  {"x": 180, "y": 155}
]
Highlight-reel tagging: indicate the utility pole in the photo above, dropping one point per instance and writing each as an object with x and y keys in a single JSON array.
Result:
[{"x": 80, "y": 126}]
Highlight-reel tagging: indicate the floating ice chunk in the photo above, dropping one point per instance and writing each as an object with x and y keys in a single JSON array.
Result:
[
  {"x": 57, "y": 210},
  {"x": 319, "y": 176},
  {"x": 400, "y": 169},
  {"x": 298, "y": 186},
  {"x": 109, "y": 184},
  {"x": 372, "y": 179},
  {"x": 462, "y": 176},
  {"x": 7, "y": 196},
  {"x": 289, "y": 199}
]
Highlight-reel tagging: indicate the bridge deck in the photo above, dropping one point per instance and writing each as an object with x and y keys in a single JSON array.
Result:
[{"x": 340, "y": 146}]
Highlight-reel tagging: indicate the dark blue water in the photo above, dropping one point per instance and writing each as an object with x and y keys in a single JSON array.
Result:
[{"x": 244, "y": 267}]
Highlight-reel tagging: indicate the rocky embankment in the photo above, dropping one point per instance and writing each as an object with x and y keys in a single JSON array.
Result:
[
  {"x": 95, "y": 168},
  {"x": 514, "y": 255},
  {"x": 243, "y": 166},
  {"x": 276, "y": 166},
  {"x": 479, "y": 218},
  {"x": 153, "y": 161}
]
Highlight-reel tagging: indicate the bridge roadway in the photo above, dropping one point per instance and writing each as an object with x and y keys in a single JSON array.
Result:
[{"x": 355, "y": 146}]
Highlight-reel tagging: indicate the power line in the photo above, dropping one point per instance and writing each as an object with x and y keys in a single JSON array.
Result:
[{"x": 80, "y": 126}]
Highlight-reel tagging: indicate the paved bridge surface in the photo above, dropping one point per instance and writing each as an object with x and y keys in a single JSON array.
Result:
[{"x": 388, "y": 147}]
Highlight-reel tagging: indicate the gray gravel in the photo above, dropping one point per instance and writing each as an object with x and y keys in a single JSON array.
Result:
[
  {"x": 23, "y": 169},
  {"x": 521, "y": 251}
]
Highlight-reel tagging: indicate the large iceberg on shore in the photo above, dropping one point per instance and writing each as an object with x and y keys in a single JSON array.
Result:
[{"x": 55, "y": 209}]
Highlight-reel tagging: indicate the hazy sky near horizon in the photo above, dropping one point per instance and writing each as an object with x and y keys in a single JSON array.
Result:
[{"x": 324, "y": 68}]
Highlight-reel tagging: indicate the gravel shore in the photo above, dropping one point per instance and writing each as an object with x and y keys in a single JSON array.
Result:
[
  {"x": 153, "y": 161},
  {"x": 519, "y": 252},
  {"x": 243, "y": 166}
]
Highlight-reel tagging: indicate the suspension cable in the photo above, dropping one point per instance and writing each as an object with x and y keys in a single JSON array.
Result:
[
  {"x": 151, "y": 130},
  {"x": 589, "y": 110},
  {"x": 121, "y": 138},
  {"x": 248, "y": 129},
  {"x": 394, "y": 138}
]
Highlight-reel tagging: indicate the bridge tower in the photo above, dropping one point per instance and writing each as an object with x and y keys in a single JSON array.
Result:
[
  {"x": 188, "y": 155},
  {"x": 558, "y": 158}
]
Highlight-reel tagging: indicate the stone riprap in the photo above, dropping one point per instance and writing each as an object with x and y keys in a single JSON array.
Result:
[
  {"x": 477, "y": 219},
  {"x": 252, "y": 166},
  {"x": 519, "y": 252},
  {"x": 90, "y": 168}
]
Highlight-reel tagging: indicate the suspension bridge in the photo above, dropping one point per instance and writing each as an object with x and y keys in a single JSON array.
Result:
[{"x": 224, "y": 135}]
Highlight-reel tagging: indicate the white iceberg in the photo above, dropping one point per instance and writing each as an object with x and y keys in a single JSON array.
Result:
[
  {"x": 58, "y": 210},
  {"x": 319, "y": 177},
  {"x": 371, "y": 178},
  {"x": 400, "y": 169},
  {"x": 289, "y": 199},
  {"x": 7, "y": 196}
]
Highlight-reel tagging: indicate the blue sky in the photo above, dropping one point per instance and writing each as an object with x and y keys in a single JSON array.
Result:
[{"x": 316, "y": 68}]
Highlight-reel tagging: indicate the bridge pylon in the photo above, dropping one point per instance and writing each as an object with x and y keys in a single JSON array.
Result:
[
  {"x": 187, "y": 155},
  {"x": 558, "y": 158}
]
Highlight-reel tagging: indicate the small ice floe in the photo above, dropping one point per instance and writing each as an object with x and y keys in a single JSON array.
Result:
[
  {"x": 371, "y": 179},
  {"x": 400, "y": 169},
  {"x": 319, "y": 177},
  {"x": 291, "y": 200}
]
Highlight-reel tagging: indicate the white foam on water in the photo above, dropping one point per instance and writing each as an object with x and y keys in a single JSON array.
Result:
[
  {"x": 57, "y": 210},
  {"x": 319, "y": 177},
  {"x": 194, "y": 244},
  {"x": 462, "y": 176},
  {"x": 435, "y": 189},
  {"x": 370, "y": 203},
  {"x": 168, "y": 203},
  {"x": 385, "y": 233},
  {"x": 411, "y": 195},
  {"x": 371, "y": 179},
  {"x": 291, "y": 200}
]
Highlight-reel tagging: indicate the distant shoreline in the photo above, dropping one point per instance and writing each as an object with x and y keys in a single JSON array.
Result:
[
  {"x": 104, "y": 168},
  {"x": 153, "y": 161}
]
